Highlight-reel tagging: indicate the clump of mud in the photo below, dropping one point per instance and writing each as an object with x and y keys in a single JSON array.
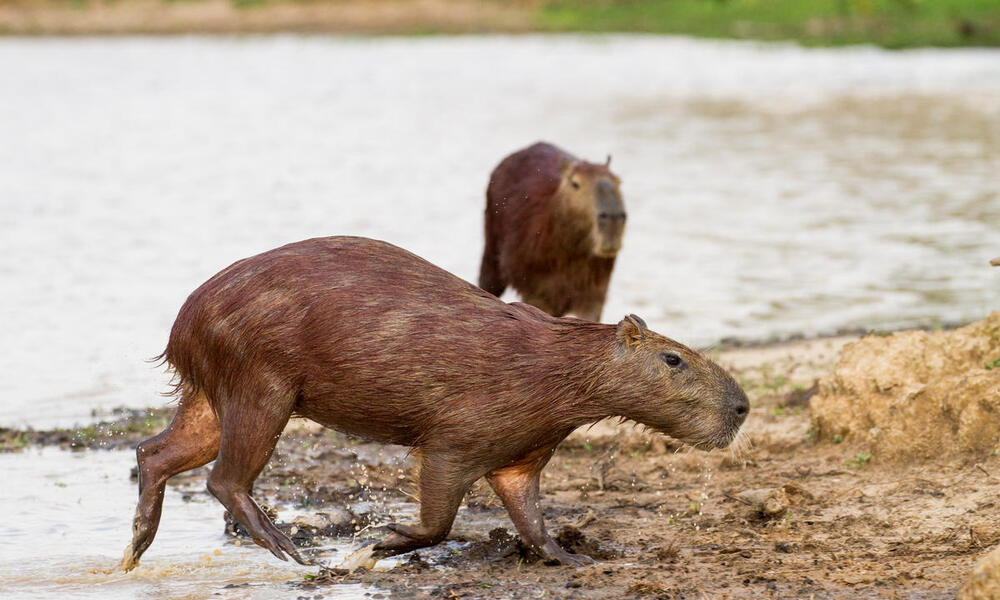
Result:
[
  {"x": 915, "y": 394},
  {"x": 984, "y": 583}
]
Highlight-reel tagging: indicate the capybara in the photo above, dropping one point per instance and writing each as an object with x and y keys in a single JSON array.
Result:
[
  {"x": 554, "y": 225},
  {"x": 368, "y": 339}
]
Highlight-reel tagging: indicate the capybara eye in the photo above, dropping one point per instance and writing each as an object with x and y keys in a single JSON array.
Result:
[
  {"x": 575, "y": 185},
  {"x": 671, "y": 359}
]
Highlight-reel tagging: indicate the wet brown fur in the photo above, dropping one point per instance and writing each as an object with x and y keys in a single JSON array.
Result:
[
  {"x": 369, "y": 339},
  {"x": 542, "y": 235}
]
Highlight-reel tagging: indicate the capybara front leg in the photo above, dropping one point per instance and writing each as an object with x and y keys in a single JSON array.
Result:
[
  {"x": 443, "y": 484},
  {"x": 190, "y": 441},
  {"x": 249, "y": 435},
  {"x": 590, "y": 312},
  {"x": 517, "y": 486},
  {"x": 490, "y": 277}
]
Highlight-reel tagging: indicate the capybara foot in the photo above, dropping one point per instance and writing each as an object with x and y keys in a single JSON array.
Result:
[
  {"x": 553, "y": 554},
  {"x": 142, "y": 537},
  {"x": 404, "y": 538},
  {"x": 279, "y": 545},
  {"x": 130, "y": 559},
  {"x": 567, "y": 559}
]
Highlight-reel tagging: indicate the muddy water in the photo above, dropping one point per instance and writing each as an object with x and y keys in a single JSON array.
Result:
[{"x": 67, "y": 518}]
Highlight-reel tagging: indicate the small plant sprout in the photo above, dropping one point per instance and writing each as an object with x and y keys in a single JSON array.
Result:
[{"x": 860, "y": 460}]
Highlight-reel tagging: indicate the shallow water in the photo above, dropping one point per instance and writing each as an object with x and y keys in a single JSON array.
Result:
[
  {"x": 772, "y": 189},
  {"x": 67, "y": 519}
]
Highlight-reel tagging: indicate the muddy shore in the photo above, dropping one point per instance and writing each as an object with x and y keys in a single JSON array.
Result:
[{"x": 792, "y": 517}]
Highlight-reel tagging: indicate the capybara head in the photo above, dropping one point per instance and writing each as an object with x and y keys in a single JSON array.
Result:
[
  {"x": 678, "y": 391},
  {"x": 592, "y": 193}
]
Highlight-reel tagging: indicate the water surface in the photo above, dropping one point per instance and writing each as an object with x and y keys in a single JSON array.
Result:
[{"x": 772, "y": 189}]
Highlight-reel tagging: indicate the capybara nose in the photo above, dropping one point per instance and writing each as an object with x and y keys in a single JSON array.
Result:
[
  {"x": 612, "y": 217},
  {"x": 738, "y": 403}
]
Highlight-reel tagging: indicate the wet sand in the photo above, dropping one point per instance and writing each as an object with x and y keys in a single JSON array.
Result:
[{"x": 665, "y": 521}]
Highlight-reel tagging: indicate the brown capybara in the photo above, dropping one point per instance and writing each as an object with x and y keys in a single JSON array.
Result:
[
  {"x": 554, "y": 225},
  {"x": 366, "y": 338}
]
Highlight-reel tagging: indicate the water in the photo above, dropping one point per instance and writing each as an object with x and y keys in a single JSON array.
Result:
[
  {"x": 771, "y": 189},
  {"x": 67, "y": 518}
]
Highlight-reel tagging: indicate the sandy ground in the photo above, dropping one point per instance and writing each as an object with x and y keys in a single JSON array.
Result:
[
  {"x": 792, "y": 517},
  {"x": 37, "y": 17}
]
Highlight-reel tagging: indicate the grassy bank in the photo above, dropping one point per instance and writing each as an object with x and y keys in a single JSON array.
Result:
[{"x": 888, "y": 23}]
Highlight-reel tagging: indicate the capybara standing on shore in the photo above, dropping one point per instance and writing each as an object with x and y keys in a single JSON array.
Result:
[
  {"x": 554, "y": 224},
  {"x": 366, "y": 338}
]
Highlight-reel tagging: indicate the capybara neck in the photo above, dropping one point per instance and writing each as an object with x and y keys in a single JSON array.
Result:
[{"x": 578, "y": 370}]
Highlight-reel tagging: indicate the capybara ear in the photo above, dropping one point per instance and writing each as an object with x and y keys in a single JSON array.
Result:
[
  {"x": 565, "y": 165},
  {"x": 630, "y": 331}
]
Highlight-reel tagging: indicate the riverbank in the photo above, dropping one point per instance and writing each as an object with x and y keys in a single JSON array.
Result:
[
  {"x": 891, "y": 24},
  {"x": 664, "y": 520}
]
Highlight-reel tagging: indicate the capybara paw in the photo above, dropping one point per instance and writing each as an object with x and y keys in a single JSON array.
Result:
[
  {"x": 129, "y": 559},
  {"x": 399, "y": 541},
  {"x": 569, "y": 560},
  {"x": 408, "y": 531},
  {"x": 279, "y": 545}
]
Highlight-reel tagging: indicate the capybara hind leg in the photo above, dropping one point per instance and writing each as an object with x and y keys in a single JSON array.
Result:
[
  {"x": 517, "y": 486},
  {"x": 249, "y": 434},
  {"x": 443, "y": 483},
  {"x": 191, "y": 440}
]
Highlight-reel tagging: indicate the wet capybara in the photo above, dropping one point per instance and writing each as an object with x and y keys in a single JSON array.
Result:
[
  {"x": 366, "y": 338},
  {"x": 554, "y": 225}
]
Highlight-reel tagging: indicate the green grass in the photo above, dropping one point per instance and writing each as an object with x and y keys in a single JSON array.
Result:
[
  {"x": 859, "y": 461},
  {"x": 888, "y": 23}
]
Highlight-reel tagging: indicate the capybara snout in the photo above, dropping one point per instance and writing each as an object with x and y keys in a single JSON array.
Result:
[
  {"x": 609, "y": 224},
  {"x": 688, "y": 397}
]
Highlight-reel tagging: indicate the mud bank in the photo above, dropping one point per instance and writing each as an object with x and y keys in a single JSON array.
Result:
[
  {"x": 794, "y": 516},
  {"x": 916, "y": 394}
]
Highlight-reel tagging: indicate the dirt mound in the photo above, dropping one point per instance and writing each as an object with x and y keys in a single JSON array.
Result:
[
  {"x": 915, "y": 394},
  {"x": 984, "y": 583}
]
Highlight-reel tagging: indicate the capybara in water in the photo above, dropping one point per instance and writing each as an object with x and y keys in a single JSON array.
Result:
[
  {"x": 554, "y": 225},
  {"x": 366, "y": 338}
]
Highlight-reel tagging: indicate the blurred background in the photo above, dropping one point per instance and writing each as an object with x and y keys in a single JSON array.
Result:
[{"x": 773, "y": 189}]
